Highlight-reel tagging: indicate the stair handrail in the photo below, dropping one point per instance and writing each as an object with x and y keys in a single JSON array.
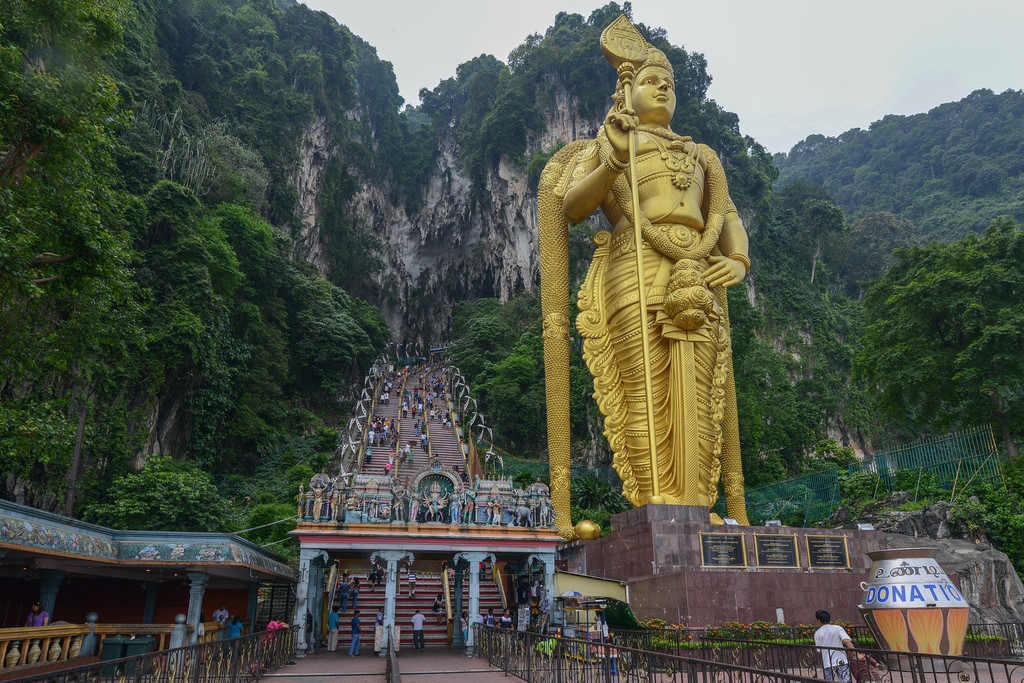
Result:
[
  {"x": 447, "y": 593},
  {"x": 358, "y": 449},
  {"x": 467, "y": 444},
  {"x": 496, "y": 575}
]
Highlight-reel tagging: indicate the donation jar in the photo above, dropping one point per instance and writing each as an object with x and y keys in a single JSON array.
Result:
[{"x": 911, "y": 605}]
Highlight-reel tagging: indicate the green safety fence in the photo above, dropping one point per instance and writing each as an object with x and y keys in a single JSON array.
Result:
[
  {"x": 952, "y": 462},
  {"x": 796, "y": 500}
]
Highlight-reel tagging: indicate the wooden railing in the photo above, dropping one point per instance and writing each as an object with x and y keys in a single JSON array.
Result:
[{"x": 60, "y": 642}]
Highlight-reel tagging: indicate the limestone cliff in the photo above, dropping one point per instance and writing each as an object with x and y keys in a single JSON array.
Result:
[{"x": 455, "y": 243}]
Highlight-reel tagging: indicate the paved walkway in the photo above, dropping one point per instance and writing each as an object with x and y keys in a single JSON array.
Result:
[{"x": 436, "y": 665}]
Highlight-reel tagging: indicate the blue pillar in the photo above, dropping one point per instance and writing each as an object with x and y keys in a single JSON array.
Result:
[
  {"x": 196, "y": 591},
  {"x": 474, "y": 559},
  {"x": 250, "y": 615},
  {"x": 49, "y": 584},
  {"x": 152, "y": 591},
  {"x": 457, "y": 640},
  {"x": 302, "y": 593},
  {"x": 392, "y": 558}
]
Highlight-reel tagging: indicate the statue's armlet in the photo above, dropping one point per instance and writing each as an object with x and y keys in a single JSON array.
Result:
[
  {"x": 719, "y": 186},
  {"x": 582, "y": 165}
]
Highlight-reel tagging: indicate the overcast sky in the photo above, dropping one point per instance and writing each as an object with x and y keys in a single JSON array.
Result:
[{"x": 789, "y": 68}]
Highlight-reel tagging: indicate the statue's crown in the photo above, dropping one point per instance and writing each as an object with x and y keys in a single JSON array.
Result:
[{"x": 656, "y": 57}]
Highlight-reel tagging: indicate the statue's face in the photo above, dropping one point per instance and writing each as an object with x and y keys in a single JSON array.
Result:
[{"x": 654, "y": 96}]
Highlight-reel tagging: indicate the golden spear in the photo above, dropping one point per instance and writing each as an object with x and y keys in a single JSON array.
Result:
[{"x": 626, "y": 49}]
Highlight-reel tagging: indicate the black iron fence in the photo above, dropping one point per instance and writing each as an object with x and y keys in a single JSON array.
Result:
[
  {"x": 536, "y": 657},
  {"x": 544, "y": 659},
  {"x": 982, "y": 640},
  {"x": 239, "y": 659}
]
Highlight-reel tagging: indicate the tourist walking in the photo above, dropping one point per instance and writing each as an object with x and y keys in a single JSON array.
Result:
[
  {"x": 830, "y": 640},
  {"x": 417, "y": 632},
  {"x": 343, "y": 589},
  {"x": 353, "y": 592},
  {"x": 353, "y": 650},
  {"x": 438, "y": 607}
]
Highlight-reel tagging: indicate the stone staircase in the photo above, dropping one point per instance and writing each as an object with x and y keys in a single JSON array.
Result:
[
  {"x": 443, "y": 442},
  {"x": 427, "y": 588}
]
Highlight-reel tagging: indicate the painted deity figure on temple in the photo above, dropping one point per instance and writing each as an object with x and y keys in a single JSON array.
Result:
[
  {"x": 435, "y": 502},
  {"x": 662, "y": 369},
  {"x": 399, "y": 494},
  {"x": 544, "y": 512},
  {"x": 336, "y": 499},
  {"x": 456, "y": 509},
  {"x": 469, "y": 505},
  {"x": 318, "y": 503},
  {"x": 496, "y": 505}
]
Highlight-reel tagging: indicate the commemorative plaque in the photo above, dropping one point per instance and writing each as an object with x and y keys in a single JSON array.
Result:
[
  {"x": 827, "y": 552},
  {"x": 722, "y": 550},
  {"x": 776, "y": 552}
]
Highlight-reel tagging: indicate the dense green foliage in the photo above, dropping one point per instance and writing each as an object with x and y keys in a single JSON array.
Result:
[
  {"x": 950, "y": 171},
  {"x": 146, "y": 272},
  {"x": 165, "y": 496},
  {"x": 944, "y": 332}
]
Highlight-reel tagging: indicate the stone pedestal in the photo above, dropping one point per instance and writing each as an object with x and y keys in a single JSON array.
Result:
[{"x": 656, "y": 550}]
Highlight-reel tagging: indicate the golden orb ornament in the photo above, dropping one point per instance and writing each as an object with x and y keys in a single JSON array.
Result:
[{"x": 587, "y": 530}]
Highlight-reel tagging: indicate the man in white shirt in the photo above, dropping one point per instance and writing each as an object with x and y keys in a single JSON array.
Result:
[
  {"x": 417, "y": 632},
  {"x": 830, "y": 640}
]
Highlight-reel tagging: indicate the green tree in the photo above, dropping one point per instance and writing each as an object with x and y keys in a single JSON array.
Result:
[
  {"x": 164, "y": 496},
  {"x": 69, "y": 308},
  {"x": 944, "y": 331}
]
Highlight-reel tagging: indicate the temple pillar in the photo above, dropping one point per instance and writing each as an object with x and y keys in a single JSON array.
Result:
[
  {"x": 457, "y": 640},
  {"x": 548, "y": 562},
  {"x": 474, "y": 559},
  {"x": 391, "y": 559},
  {"x": 152, "y": 589},
  {"x": 196, "y": 591},
  {"x": 49, "y": 585},
  {"x": 250, "y": 614},
  {"x": 307, "y": 556}
]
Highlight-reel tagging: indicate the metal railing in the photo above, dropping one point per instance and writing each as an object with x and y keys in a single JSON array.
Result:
[
  {"x": 536, "y": 657},
  {"x": 391, "y": 672},
  {"x": 239, "y": 659},
  {"x": 26, "y": 646},
  {"x": 983, "y": 640},
  {"x": 546, "y": 659}
]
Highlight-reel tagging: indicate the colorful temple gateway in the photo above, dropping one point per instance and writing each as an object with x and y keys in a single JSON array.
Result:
[{"x": 417, "y": 521}]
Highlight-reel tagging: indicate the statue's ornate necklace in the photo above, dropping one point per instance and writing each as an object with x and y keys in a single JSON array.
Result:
[{"x": 680, "y": 155}]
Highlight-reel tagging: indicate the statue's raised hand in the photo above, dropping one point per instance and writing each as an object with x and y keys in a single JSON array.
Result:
[{"x": 618, "y": 126}]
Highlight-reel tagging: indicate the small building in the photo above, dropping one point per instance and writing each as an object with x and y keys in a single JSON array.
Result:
[{"x": 132, "y": 577}]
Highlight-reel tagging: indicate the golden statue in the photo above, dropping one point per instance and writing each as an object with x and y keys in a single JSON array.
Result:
[{"x": 660, "y": 354}]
